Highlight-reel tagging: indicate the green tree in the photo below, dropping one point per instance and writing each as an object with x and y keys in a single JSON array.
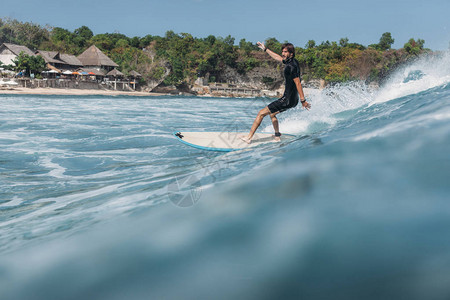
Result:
[
  {"x": 27, "y": 34},
  {"x": 247, "y": 47},
  {"x": 130, "y": 58},
  {"x": 343, "y": 42},
  {"x": 102, "y": 41},
  {"x": 324, "y": 45},
  {"x": 122, "y": 43},
  {"x": 84, "y": 32},
  {"x": 63, "y": 40},
  {"x": 273, "y": 44},
  {"x": 414, "y": 47},
  {"x": 170, "y": 34},
  {"x": 60, "y": 34},
  {"x": 82, "y": 36},
  {"x": 226, "y": 51},
  {"x": 31, "y": 64},
  {"x": 135, "y": 42},
  {"x": 311, "y": 44},
  {"x": 210, "y": 40},
  {"x": 108, "y": 41},
  {"x": 145, "y": 41},
  {"x": 386, "y": 41}
]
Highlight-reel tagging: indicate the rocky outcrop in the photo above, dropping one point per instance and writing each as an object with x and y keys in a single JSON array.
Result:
[
  {"x": 153, "y": 82},
  {"x": 261, "y": 81},
  {"x": 261, "y": 78}
]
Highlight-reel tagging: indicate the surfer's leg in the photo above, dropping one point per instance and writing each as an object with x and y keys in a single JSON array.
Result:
[
  {"x": 262, "y": 113},
  {"x": 276, "y": 127}
]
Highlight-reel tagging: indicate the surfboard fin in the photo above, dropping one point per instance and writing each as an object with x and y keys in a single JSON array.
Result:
[{"x": 178, "y": 134}]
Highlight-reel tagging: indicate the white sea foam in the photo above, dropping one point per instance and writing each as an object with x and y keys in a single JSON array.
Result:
[
  {"x": 15, "y": 201},
  {"x": 325, "y": 104},
  {"x": 421, "y": 75},
  {"x": 55, "y": 169}
]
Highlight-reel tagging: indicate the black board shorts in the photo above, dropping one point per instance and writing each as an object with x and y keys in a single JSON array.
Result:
[{"x": 281, "y": 105}]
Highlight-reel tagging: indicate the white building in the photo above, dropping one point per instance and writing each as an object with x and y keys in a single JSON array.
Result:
[{"x": 8, "y": 52}]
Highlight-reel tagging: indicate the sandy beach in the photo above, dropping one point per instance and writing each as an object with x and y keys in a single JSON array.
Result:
[
  {"x": 75, "y": 92},
  {"x": 92, "y": 92}
]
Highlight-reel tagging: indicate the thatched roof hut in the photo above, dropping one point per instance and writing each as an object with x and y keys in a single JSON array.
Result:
[
  {"x": 94, "y": 57},
  {"x": 71, "y": 60},
  {"x": 135, "y": 74},
  {"x": 115, "y": 73},
  {"x": 58, "y": 60},
  {"x": 16, "y": 49},
  {"x": 49, "y": 56}
]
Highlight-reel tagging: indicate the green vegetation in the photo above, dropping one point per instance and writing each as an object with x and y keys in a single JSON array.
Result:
[
  {"x": 414, "y": 47},
  {"x": 346, "y": 61},
  {"x": 26, "y": 34},
  {"x": 385, "y": 43},
  {"x": 187, "y": 57},
  {"x": 31, "y": 64}
]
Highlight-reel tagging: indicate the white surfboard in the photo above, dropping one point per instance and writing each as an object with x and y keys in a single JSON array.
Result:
[{"x": 225, "y": 141}]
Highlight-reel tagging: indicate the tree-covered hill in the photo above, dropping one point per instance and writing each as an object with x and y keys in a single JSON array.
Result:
[{"x": 179, "y": 58}]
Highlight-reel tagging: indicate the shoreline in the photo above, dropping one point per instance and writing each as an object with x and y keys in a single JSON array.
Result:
[
  {"x": 95, "y": 92},
  {"x": 73, "y": 92}
]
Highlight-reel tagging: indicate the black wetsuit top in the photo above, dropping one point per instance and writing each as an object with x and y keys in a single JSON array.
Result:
[
  {"x": 291, "y": 71},
  {"x": 290, "y": 96}
]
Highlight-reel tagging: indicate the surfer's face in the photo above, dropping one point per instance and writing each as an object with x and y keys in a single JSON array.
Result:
[{"x": 285, "y": 54}]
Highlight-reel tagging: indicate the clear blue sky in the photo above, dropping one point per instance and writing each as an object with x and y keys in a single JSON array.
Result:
[{"x": 296, "y": 21}]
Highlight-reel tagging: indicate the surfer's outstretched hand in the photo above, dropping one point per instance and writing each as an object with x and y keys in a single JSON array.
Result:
[
  {"x": 306, "y": 105},
  {"x": 261, "y": 46}
]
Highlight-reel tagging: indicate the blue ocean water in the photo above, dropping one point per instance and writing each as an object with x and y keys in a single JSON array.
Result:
[{"x": 99, "y": 201}]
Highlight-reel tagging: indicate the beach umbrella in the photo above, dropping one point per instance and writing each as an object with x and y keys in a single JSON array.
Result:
[
  {"x": 67, "y": 73},
  {"x": 75, "y": 73},
  {"x": 53, "y": 71},
  {"x": 84, "y": 73},
  {"x": 91, "y": 73}
]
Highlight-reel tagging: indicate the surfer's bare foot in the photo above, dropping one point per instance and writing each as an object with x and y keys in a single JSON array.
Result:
[
  {"x": 277, "y": 137},
  {"x": 245, "y": 139}
]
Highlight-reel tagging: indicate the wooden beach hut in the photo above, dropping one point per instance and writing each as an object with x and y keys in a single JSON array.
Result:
[
  {"x": 51, "y": 59},
  {"x": 58, "y": 61},
  {"x": 114, "y": 75},
  {"x": 134, "y": 76}
]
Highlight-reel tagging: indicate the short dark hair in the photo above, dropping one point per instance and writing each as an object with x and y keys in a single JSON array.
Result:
[{"x": 289, "y": 47}]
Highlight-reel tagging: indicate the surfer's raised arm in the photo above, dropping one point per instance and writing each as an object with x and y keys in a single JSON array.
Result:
[{"x": 270, "y": 52}]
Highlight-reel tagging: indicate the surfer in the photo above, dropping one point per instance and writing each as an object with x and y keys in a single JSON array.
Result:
[{"x": 293, "y": 88}]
